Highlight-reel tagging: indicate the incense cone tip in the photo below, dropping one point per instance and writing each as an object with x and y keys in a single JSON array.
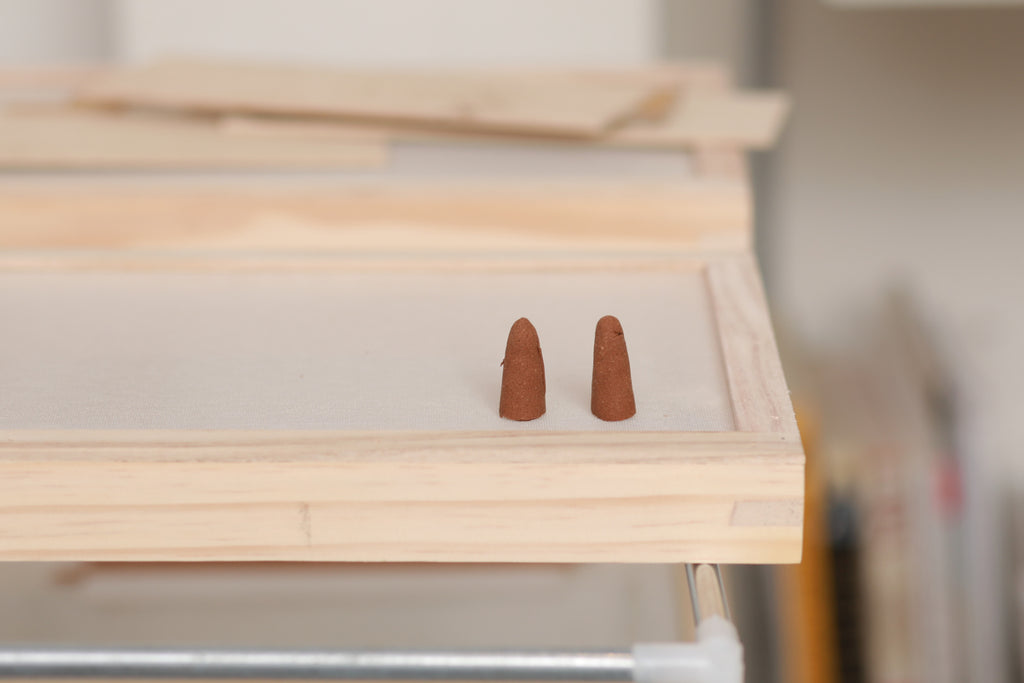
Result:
[
  {"x": 608, "y": 325},
  {"x": 522, "y": 332}
]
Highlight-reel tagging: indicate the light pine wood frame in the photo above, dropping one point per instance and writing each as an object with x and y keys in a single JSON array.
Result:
[
  {"x": 426, "y": 496},
  {"x": 492, "y": 496},
  {"x": 734, "y": 497}
]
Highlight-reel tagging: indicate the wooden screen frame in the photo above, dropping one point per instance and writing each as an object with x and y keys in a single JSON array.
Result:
[{"x": 502, "y": 496}]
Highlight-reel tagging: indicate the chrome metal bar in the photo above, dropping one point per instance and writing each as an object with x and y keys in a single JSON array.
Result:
[
  {"x": 721, "y": 591},
  {"x": 691, "y": 581},
  {"x": 324, "y": 665},
  {"x": 707, "y": 600},
  {"x": 707, "y": 594}
]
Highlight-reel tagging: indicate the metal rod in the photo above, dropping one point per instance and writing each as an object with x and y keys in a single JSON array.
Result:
[
  {"x": 721, "y": 592},
  {"x": 691, "y": 581},
  {"x": 327, "y": 665},
  {"x": 707, "y": 591}
]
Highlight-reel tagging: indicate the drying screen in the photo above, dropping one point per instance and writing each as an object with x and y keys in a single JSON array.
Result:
[{"x": 343, "y": 350}]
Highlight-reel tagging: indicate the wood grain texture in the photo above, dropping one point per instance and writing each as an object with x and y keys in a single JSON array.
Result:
[
  {"x": 750, "y": 120},
  {"x": 61, "y": 138},
  {"x": 691, "y": 107},
  {"x": 756, "y": 382},
  {"x": 551, "y": 103},
  {"x": 499, "y": 496},
  {"x": 735, "y": 120},
  {"x": 587, "y": 215},
  {"x": 699, "y": 111}
]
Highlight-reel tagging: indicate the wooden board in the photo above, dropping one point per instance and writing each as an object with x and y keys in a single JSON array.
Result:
[
  {"x": 107, "y": 485},
  {"x": 734, "y": 120},
  {"x": 700, "y": 113},
  {"x": 698, "y": 110},
  {"x": 38, "y": 216},
  {"x": 750, "y": 120},
  {"x": 728, "y": 120},
  {"x": 691, "y": 107},
  {"x": 47, "y": 138},
  {"x": 550, "y": 103}
]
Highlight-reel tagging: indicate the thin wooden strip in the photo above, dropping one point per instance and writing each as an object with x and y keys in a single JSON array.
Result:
[
  {"x": 691, "y": 108},
  {"x": 555, "y": 103},
  {"x": 732, "y": 120},
  {"x": 749, "y": 120},
  {"x": 75, "y": 139},
  {"x": 177, "y": 445},
  {"x": 443, "y": 532},
  {"x": 461, "y": 217},
  {"x": 665, "y": 80},
  {"x": 270, "y": 261},
  {"x": 757, "y": 385},
  {"x": 77, "y": 469},
  {"x": 774, "y": 550},
  {"x": 701, "y": 113}
]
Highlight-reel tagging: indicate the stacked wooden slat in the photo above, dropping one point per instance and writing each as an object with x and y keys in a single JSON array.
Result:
[{"x": 200, "y": 114}]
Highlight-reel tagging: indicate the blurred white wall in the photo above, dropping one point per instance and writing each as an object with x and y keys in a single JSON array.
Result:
[
  {"x": 33, "y": 31},
  {"x": 393, "y": 32},
  {"x": 731, "y": 32},
  {"x": 386, "y": 32}
]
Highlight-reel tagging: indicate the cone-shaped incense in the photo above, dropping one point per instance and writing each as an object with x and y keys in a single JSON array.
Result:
[
  {"x": 522, "y": 376},
  {"x": 611, "y": 390}
]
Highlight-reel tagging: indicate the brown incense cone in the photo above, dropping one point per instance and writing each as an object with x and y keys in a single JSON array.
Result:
[
  {"x": 522, "y": 376},
  {"x": 611, "y": 391}
]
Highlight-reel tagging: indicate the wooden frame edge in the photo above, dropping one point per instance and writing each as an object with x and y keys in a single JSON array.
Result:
[
  {"x": 749, "y": 352},
  {"x": 493, "y": 496}
]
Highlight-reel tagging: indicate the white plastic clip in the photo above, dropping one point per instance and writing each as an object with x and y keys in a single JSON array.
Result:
[{"x": 715, "y": 657}]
